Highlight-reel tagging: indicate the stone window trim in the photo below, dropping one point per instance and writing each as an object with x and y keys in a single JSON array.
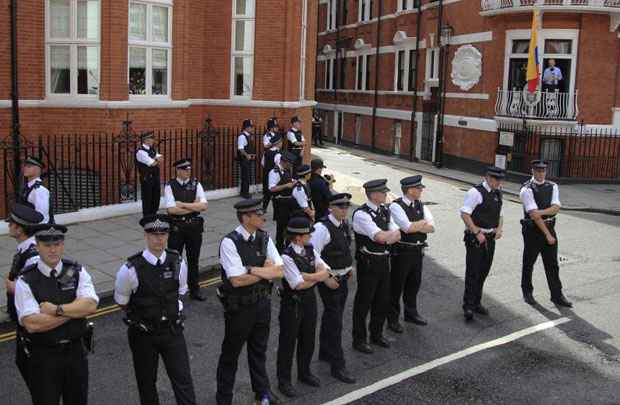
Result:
[{"x": 241, "y": 86}]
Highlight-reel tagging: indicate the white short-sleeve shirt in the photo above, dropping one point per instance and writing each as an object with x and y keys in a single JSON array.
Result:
[
  {"x": 363, "y": 223},
  {"x": 242, "y": 141},
  {"x": 170, "y": 202},
  {"x": 39, "y": 197},
  {"x": 230, "y": 259},
  {"x": 291, "y": 271},
  {"x": 400, "y": 216},
  {"x": 299, "y": 194},
  {"x": 320, "y": 237},
  {"x": 527, "y": 197}
]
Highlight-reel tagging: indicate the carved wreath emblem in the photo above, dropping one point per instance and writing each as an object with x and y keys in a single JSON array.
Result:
[{"x": 466, "y": 67}]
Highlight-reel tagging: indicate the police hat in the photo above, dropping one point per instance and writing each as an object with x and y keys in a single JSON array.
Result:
[
  {"x": 33, "y": 161},
  {"x": 250, "y": 205},
  {"x": 277, "y": 138},
  {"x": 317, "y": 164},
  {"x": 147, "y": 135},
  {"x": 303, "y": 170},
  {"x": 24, "y": 215},
  {"x": 496, "y": 172},
  {"x": 340, "y": 199},
  {"x": 412, "y": 181},
  {"x": 183, "y": 164},
  {"x": 287, "y": 156},
  {"x": 248, "y": 124},
  {"x": 272, "y": 123},
  {"x": 299, "y": 226},
  {"x": 376, "y": 185},
  {"x": 155, "y": 224},
  {"x": 539, "y": 164},
  {"x": 295, "y": 119},
  {"x": 50, "y": 232}
]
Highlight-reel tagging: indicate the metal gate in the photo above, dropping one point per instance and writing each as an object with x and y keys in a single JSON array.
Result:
[{"x": 428, "y": 135}]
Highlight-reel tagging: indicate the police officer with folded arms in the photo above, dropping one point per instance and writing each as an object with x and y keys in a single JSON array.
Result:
[
  {"x": 481, "y": 213},
  {"x": 246, "y": 154},
  {"x": 22, "y": 222},
  {"x": 148, "y": 287},
  {"x": 302, "y": 197},
  {"x": 332, "y": 240},
  {"x": 185, "y": 200},
  {"x": 53, "y": 297},
  {"x": 415, "y": 221},
  {"x": 34, "y": 194},
  {"x": 303, "y": 270},
  {"x": 296, "y": 141},
  {"x": 320, "y": 188},
  {"x": 250, "y": 263},
  {"x": 281, "y": 185},
  {"x": 272, "y": 142},
  {"x": 541, "y": 204},
  {"x": 375, "y": 233},
  {"x": 148, "y": 162}
]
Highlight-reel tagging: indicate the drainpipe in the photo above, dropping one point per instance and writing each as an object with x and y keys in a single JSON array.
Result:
[
  {"x": 414, "y": 110},
  {"x": 15, "y": 132},
  {"x": 442, "y": 55},
  {"x": 376, "y": 97}
]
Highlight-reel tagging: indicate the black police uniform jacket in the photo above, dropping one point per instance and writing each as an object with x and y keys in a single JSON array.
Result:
[
  {"x": 17, "y": 267},
  {"x": 305, "y": 264},
  {"x": 148, "y": 172},
  {"x": 543, "y": 194},
  {"x": 414, "y": 213},
  {"x": 486, "y": 214},
  {"x": 381, "y": 218},
  {"x": 337, "y": 253},
  {"x": 252, "y": 254}
]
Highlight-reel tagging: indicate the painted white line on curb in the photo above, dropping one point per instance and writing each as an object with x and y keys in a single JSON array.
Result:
[{"x": 395, "y": 379}]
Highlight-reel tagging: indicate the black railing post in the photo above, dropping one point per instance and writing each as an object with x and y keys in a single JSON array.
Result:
[{"x": 15, "y": 130}]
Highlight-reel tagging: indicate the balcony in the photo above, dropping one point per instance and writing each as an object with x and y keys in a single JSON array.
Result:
[
  {"x": 541, "y": 106},
  {"x": 495, "y": 7}
]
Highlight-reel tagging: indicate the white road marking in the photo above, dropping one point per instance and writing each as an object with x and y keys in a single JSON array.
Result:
[{"x": 395, "y": 379}]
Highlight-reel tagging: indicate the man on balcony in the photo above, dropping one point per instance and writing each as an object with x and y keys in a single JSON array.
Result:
[{"x": 552, "y": 76}]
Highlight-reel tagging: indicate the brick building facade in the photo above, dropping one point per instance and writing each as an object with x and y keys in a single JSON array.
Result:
[
  {"x": 473, "y": 67},
  {"x": 85, "y": 64}
]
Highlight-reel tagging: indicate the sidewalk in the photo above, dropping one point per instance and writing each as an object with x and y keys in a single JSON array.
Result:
[
  {"x": 600, "y": 198},
  {"x": 102, "y": 246}
]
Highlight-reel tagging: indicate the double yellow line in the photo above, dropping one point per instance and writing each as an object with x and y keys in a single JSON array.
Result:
[{"x": 9, "y": 336}]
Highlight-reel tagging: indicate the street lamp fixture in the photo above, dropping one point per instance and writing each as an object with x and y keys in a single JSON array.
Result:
[{"x": 446, "y": 34}]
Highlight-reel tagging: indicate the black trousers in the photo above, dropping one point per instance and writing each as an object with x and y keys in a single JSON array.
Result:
[
  {"x": 298, "y": 160},
  {"x": 245, "y": 167},
  {"x": 316, "y": 136},
  {"x": 372, "y": 295},
  {"x": 297, "y": 327},
  {"x": 330, "y": 336},
  {"x": 188, "y": 236},
  {"x": 269, "y": 165},
  {"x": 21, "y": 360},
  {"x": 405, "y": 280},
  {"x": 59, "y": 372},
  {"x": 146, "y": 349},
  {"x": 151, "y": 193},
  {"x": 250, "y": 325},
  {"x": 478, "y": 261},
  {"x": 534, "y": 243}
]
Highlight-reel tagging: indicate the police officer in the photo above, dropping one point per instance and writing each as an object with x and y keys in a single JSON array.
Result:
[
  {"x": 319, "y": 188},
  {"x": 272, "y": 142},
  {"x": 246, "y": 154},
  {"x": 281, "y": 187},
  {"x": 415, "y": 221},
  {"x": 185, "y": 200},
  {"x": 541, "y": 203},
  {"x": 332, "y": 240},
  {"x": 53, "y": 297},
  {"x": 296, "y": 141},
  {"x": 148, "y": 287},
  {"x": 250, "y": 263},
  {"x": 22, "y": 222},
  {"x": 375, "y": 232},
  {"x": 481, "y": 213},
  {"x": 303, "y": 270},
  {"x": 34, "y": 194},
  {"x": 317, "y": 121},
  {"x": 302, "y": 198},
  {"x": 149, "y": 162}
]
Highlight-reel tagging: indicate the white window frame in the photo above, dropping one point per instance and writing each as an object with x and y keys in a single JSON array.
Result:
[
  {"x": 432, "y": 78},
  {"x": 150, "y": 45},
  {"x": 247, "y": 53},
  {"x": 330, "y": 63},
  {"x": 544, "y": 34},
  {"x": 404, "y": 5},
  {"x": 367, "y": 10},
  {"x": 363, "y": 57},
  {"x": 332, "y": 7},
  {"x": 405, "y": 64},
  {"x": 73, "y": 42}
]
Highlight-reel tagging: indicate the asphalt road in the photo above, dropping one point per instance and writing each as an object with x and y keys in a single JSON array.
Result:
[{"x": 576, "y": 362}]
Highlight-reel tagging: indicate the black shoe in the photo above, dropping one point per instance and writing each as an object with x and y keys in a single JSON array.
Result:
[
  {"x": 246, "y": 196},
  {"x": 197, "y": 296},
  {"x": 363, "y": 348},
  {"x": 529, "y": 298},
  {"x": 481, "y": 310},
  {"x": 395, "y": 327},
  {"x": 416, "y": 318},
  {"x": 310, "y": 380},
  {"x": 272, "y": 398},
  {"x": 343, "y": 375},
  {"x": 469, "y": 314},
  {"x": 562, "y": 301},
  {"x": 380, "y": 341},
  {"x": 288, "y": 390}
]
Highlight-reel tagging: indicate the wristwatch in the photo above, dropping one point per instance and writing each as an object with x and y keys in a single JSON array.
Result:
[
  {"x": 59, "y": 310},
  {"x": 248, "y": 269}
]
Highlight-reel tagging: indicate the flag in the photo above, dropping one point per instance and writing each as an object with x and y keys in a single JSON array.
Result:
[{"x": 533, "y": 61}]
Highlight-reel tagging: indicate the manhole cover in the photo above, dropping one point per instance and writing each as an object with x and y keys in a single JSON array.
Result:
[
  {"x": 430, "y": 203},
  {"x": 355, "y": 172}
]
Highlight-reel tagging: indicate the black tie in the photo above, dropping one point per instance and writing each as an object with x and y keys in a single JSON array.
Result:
[
  {"x": 53, "y": 273},
  {"x": 158, "y": 263},
  {"x": 251, "y": 239}
]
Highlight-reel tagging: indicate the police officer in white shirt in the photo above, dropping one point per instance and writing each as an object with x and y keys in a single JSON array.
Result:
[
  {"x": 302, "y": 198},
  {"x": 246, "y": 155},
  {"x": 541, "y": 203},
  {"x": 296, "y": 141},
  {"x": 375, "y": 232},
  {"x": 272, "y": 142},
  {"x": 148, "y": 162},
  {"x": 481, "y": 213},
  {"x": 415, "y": 221},
  {"x": 281, "y": 185},
  {"x": 53, "y": 297},
  {"x": 34, "y": 194},
  {"x": 148, "y": 286},
  {"x": 250, "y": 263}
]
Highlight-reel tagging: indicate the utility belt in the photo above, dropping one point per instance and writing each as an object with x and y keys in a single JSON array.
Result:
[
  {"x": 87, "y": 340},
  {"x": 529, "y": 223},
  {"x": 470, "y": 238},
  {"x": 155, "y": 327},
  {"x": 403, "y": 247},
  {"x": 365, "y": 251},
  {"x": 341, "y": 274},
  {"x": 234, "y": 302},
  {"x": 295, "y": 295},
  {"x": 186, "y": 219}
]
